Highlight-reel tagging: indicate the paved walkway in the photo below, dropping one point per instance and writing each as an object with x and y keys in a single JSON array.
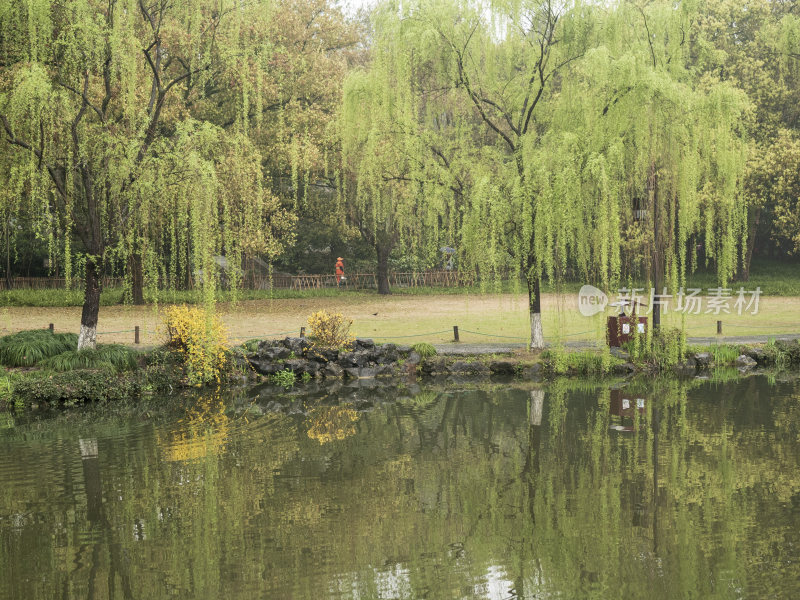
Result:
[{"x": 461, "y": 348}]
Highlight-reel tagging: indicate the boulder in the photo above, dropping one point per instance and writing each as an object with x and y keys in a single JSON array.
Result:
[
  {"x": 413, "y": 359},
  {"x": 502, "y": 367},
  {"x": 625, "y": 368},
  {"x": 265, "y": 367},
  {"x": 363, "y": 358},
  {"x": 328, "y": 354},
  {"x": 434, "y": 365},
  {"x": 703, "y": 359},
  {"x": 532, "y": 372},
  {"x": 368, "y": 372},
  {"x": 470, "y": 368},
  {"x": 273, "y": 352},
  {"x": 297, "y": 345},
  {"x": 387, "y": 354},
  {"x": 347, "y": 359},
  {"x": 300, "y": 366},
  {"x": 745, "y": 362},
  {"x": 351, "y": 372},
  {"x": 332, "y": 370},
  {"x": 365, "y": 343},
  {"x": 757, "y": 354}
]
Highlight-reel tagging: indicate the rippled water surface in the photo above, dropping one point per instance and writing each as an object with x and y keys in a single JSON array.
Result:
[{"x": 572, "y": 490}]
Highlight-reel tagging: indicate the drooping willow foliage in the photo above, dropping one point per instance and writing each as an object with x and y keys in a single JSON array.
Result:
[
  {"x": 651, "y": 132},
  {"x": 573, "y": 115},
  {"x": 97, "y": 102},
  {"x": 388, "y": 190}
]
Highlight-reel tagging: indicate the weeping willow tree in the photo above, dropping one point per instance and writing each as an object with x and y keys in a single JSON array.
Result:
[
  {"x": 663, "y": 152},
  {"x": 93, "y": 105},
  {"x": 504, "y": 61},
  {"x": 386, "y": 188},
  {"x": 576, "y": 112}
]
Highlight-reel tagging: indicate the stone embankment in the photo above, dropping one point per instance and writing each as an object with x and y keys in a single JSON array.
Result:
[{"x": 367, "y": 359}]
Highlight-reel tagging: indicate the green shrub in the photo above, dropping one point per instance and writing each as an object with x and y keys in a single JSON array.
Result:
[
  {"x": 561, "y": 362},
  {"x": 27, "y": 348},
  {"x": 285, "y": 378},
  {"x": 250, "y": 346},
  {"x": 74, "y": 387},
  {"x": 781, "y": 353},
  {"x": 667, "y": 347},
  {"x": 424, "y": 349},
  {"x": 724, "y": 354},
  {"x": 162, "y": 378},
  {"x": 664, "y": 348},
  {"x": 105, "y": 356}
]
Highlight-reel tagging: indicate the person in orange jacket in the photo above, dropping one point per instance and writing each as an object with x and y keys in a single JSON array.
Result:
[{"x": 339, "y": 270}]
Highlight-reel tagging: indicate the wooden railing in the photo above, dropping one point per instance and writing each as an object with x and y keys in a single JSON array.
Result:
[{"x": 293, "y": 282}]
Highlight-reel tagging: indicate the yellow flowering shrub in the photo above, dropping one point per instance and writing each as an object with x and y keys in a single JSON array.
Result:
[
  {"x": 200, "y": 338},
  {"x": 330, "y": 330}
]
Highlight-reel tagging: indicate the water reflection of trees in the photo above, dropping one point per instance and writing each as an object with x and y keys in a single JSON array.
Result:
[{"x": 526, "y": 489}]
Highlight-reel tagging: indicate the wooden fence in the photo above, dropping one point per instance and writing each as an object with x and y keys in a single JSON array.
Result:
[{"x": 291, "y": 282}]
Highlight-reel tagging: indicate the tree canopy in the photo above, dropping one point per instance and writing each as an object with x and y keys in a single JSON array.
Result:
[{"x": 169, "y": 142}]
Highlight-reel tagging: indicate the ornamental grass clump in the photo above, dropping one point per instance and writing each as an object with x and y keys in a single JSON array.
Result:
[
  {"x": 199, "y": 337},
  {"x": 27, "y": 348},
  {"x": 330, "y": 330},
  {"x": 106, "y": 356},
  {"x": 424, "y": 349}
]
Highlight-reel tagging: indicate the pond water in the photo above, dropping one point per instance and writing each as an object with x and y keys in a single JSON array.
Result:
[{"x": 663, "y": 489}]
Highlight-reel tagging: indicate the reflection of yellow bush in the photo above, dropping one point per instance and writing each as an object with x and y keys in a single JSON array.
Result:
[
  {"x": 330, "y": 330},
  {"x": 329, "y": 423},
  {"x": 204, "y": 431},
  {"x": 199, "y": 336}
]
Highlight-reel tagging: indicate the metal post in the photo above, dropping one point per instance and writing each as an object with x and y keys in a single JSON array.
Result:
[
  {"x": 136, "y": 335},
  {"x": 455, "y": 333},
  {"x": 719, "y": 327}
]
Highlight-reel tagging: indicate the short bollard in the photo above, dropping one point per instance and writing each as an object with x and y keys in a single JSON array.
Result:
[
  {"x": 455, "y": 333},
  {"x": 52, "y": 328},
  {"x": 136, "y": 335},
  {"x": 302, "y": 332},
  {"x": 719, "y": 327}
]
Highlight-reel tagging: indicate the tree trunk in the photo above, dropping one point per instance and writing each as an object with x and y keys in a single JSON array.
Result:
[
  {"x": 744, "y": 269},
  {"x": 535, "y": 306},
  {"x": 656, "y": 259},
  {"x": 8, "y": 258},
  {"x": 383, "y": 269},
  {"x": 91, "y": 304},
  {"x": 137, "y": 278}
]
